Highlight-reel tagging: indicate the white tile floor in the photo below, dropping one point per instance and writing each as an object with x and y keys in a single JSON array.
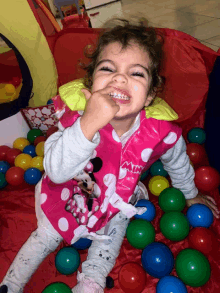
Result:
[{"x": 199, "y": 18}]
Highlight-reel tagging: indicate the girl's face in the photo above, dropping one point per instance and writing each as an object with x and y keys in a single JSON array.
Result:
[{"x": 126, "y": 71}]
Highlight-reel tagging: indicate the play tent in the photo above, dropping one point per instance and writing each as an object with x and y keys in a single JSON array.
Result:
[{"x": 187, "y": 68}]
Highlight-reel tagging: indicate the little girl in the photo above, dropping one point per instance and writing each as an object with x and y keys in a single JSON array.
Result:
[{"x": 111, "y": 129}]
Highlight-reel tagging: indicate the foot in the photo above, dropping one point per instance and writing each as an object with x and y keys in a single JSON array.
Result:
[
  {"x": 86, "y": 284},
  {"x": 3, "y": 289}
]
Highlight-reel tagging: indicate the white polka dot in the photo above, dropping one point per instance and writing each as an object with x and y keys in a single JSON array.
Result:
[
  {"x": 89, "y": 214},
  {"x": 65, "y": 194},
  {"x": 74, "y": 202},
  {"x": 145, "y": 154},
  {"x": 77, "y": 210},
  {"x": 63, "y": 224},
  {"x": 170, "y": 138},
  {"x": 43, "y": 198},
  {"x": 84, "y": 210},
  {"x": 83, "y": 219},
  {"x": 122, "y": 173},
  {"x": 96, "y": 208},
  {"x": 74, "y": 214},
  {"x": 76, "y": 189},
  {"x": 115, "y": 136},
  {"x": 77, "y": 220}
]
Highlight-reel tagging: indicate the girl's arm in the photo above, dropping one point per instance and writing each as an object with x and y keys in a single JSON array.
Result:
[{"x": 67, "y": 152}]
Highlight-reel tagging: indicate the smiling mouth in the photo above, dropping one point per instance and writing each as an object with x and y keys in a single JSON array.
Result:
[{"x": 119, "y": 96}]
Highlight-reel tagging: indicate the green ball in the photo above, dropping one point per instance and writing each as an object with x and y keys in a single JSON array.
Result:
[
  {"x": 140, "y": 233},
  {"x": 57, "y": 288},
  {"x": 157, "y": 169},
  {"x": 67, "y": 260},
  {"x": 33, "y": 133},
  {"x": 174, "y": 226},
  {"x": 196, "y": 135},
  {"x": 172, "y": 200},
  {"x": 192, "y": 267}
]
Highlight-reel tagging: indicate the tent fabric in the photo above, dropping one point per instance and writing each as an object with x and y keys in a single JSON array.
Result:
[{"x": 24, "y": 32}]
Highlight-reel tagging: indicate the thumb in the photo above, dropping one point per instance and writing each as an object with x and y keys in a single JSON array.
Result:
[{"x": 86, "y": 93}]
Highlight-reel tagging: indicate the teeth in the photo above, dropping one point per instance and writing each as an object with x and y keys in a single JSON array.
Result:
[{"x": 119, "y": 96}]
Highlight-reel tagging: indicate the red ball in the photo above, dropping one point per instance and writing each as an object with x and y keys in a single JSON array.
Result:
[
  {"x": 207, "y": 178},
  {"x": 15, "y": 176},
  {"x": 132, "y": 278},
  {"x": 3, "y": 151},
  {"x": 51, "y": 130},
  {"x": 16, "y": 81},
  {"x": 204, "y": 240},
  {"x": 39, "y": 139},
  {"x": 196, "y": 153},
  {"x": 11, "y": 155}
]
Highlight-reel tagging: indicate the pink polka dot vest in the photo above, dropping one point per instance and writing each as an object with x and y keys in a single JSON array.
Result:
[{"x": 109, "y": 178}]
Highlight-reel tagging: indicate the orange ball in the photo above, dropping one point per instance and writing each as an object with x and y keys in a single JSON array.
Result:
[
  {"x": 20, "y": 143},
  {"x": 23, "y": 161},
  {"x": 10, "y": 89},
  {"x": 40, "y": 149},
  {"x": 37, "y": 162}
]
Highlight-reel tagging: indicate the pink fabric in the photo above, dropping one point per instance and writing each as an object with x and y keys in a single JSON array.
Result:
[{"x": 114, "y": 182}]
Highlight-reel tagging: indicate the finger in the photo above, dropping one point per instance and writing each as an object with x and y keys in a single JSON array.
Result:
[
  {"x": 86, "y": 93},
  {"x": 210, "y": 198},
  {"x": 213, "y": 208}
]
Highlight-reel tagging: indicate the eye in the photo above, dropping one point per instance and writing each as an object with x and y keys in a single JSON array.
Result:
[
  {"x": 141, "y": 74},
  {"x": 106, "y": 68}
]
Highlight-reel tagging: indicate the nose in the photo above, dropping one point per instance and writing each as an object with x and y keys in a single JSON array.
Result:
[{"x": 120, "y": 78}]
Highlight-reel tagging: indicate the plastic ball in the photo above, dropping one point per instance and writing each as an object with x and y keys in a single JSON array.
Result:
[
  {"x": 150, "y": 213},
  {"x": 192, "y": 267},
  {"x": 170, "y": 284},
  {"x": 32, "y": 176},
  {"x": 33, "y": 133},
  {"x": 196, "y": 153},
  {"x": 4, "y": 166},
  {"x": 158, "y": 169},
  {"x": 11, "y": 155},
  {"x": 174, "y": 226},
  {"x": 29, "y": 150},
  {"x": 3, "y": 182},
  {"x": 20, "y": 143},
  {"x": 37, "y": 162},
  {"x": 3, "y": 150},
  {"x": 39, "y": 139},
  {"x": 67, "y": 260},
  {"x": 57, "y": 287},
  {"x": 140, "y": 233},
  {"x": 9, "y": 89},
  {"x": 16, "y": 81},
  {"x": 203, "y": 240},
  {"x": 207, "y": 178},
  {"x": 157, "y": 260},
  {"x": 199, "y": 215},
  {"x": 49, "y": 102},
  {"x": 40, "y": 149},
  {"x": 51, "y": 130},
  {"x": 23, "y": 161},
  {"x": 172, "y": 200},
  {"x": 196, "y": 135},
  {"x": 15, "y": 176},
  {"x": 132, "y": 278},
  {"x": 157, "y": 184},
  {"x": 82, "y": 243},
  {"x": 144, "y": 175}
]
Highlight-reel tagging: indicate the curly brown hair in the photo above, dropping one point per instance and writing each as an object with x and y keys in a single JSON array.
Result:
[{"x": 125, "y": 33}]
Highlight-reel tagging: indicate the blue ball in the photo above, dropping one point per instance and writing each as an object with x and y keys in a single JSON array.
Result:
[
  {"x": 49, "y": 102},
  {"x": 67, "y": 260},
  {"x": 157, "y": 169},
  {"x": 170, "y": 284},
  {"x": 157, "y": 260},
  {"x": 82, "y": 243},
  {"x": 150, "y": 213},
  {"x": 30, "y": 150},
  {"x": 199, "y": 215},
  {"x": 32, "y": 176},
  {"x": 4, "y": 166}
]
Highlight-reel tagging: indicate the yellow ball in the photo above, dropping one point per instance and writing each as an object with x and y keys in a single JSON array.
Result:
[
  {"x": 157, "y": 184},
  {"x": 9, "y": 89},
  {"x": 23, "y": 161},
  {"x": 40, "y": 149},
  {"x": 20, "y": 143},
  {"x": 37, "y": 162}
]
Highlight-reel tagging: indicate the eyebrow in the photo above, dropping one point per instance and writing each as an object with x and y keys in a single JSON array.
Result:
[{"x": 132, "y": 65}]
